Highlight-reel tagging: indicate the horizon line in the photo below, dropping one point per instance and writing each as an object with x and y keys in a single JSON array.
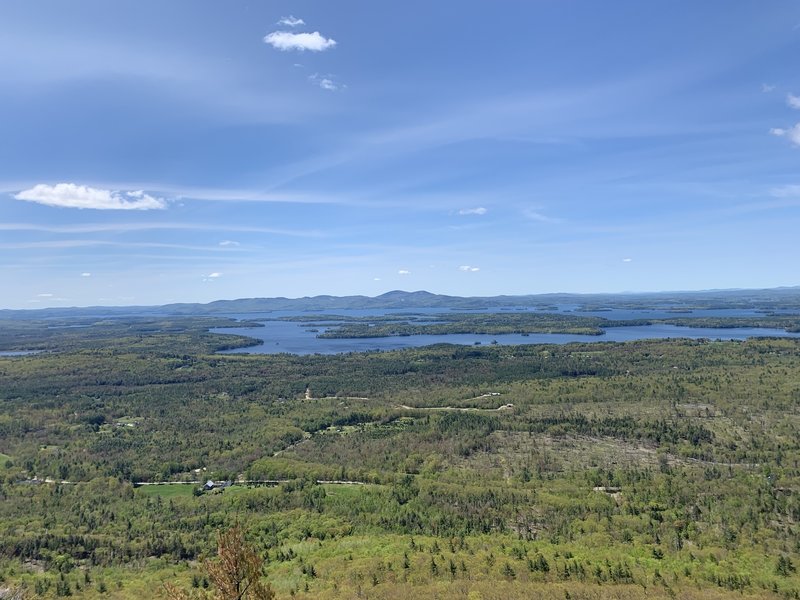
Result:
[{"x": 396, "y": 291}]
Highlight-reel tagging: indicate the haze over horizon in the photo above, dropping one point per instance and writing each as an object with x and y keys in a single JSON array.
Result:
[
  {"x": 185, "y": 152},
  {"x": 436, "y": 299}
]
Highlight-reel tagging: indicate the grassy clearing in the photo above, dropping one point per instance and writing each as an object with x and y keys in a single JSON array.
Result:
[{"x": 172, "y": 490}]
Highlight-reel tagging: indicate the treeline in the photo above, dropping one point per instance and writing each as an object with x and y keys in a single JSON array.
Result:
[{"x": 460, "y": 323}]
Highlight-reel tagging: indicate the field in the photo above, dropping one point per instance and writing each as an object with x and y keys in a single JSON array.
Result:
[{"x": 651, "y": 469}]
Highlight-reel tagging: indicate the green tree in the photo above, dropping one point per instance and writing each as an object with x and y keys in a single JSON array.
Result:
[{"x": 784, "y": 568}]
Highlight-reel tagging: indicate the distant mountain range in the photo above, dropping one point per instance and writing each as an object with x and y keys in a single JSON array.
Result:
[{"x": 766, "y": 299}]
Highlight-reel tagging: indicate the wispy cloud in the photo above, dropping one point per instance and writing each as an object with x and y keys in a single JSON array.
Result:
[
  {"x": 128, "y": 227},
  {"x": 107, "y": 244},
  {"x": 469, "y": 269},
  {"x": 86, "y": 274},
  {"x": 241, "y": 195},
  {"x": 473, "y": 211},
  {"x": 404, "y": 272},
  {"x": 787, "y": 196},
  {"x": 291, "y": 21},
  {"x": 793, "y": 101},
  {"x": 535, "y": 215},
  {"x": 766, "y": 88},
  {"x": 214, "y": 275},
  {"x": 786, "y": 191},
  {"x": 214, "y": 86},
  {"x": 627, "y": 260},
  {"x": 70, "y": 195},
  {"x": 325, "y": 82},
  {"x": 228, "y": 243},
  {"x": 49, "y": 298},
  {"x": 792, "y": 134},
  {"x": 286, "y": 41}
]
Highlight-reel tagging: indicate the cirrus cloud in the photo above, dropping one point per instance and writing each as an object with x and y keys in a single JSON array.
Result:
[
  {"x": 286, "y": 41},
  {"x": 469, "y": 269},
  {"x": 70, "y": 195},
  {"x": 786, "y": 191},
  {"x": 291, "y": 21},
  {"x": 534, "y": 215}
]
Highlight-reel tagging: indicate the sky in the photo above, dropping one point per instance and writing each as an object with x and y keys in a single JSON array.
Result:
[{"x": 193, "y": 150}]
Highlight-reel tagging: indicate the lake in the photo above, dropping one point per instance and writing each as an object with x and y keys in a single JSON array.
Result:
[{"x": 294, "y": 338}]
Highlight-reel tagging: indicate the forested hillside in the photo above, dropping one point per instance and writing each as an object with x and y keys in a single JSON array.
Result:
[{"x": 648, "y": 469}]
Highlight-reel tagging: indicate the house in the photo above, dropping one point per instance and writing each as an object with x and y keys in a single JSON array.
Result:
[{"x": 216, "y": 485}]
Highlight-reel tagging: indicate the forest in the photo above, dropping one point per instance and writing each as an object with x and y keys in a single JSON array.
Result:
[
  {"x": 524, "y": 323},
  {"x": 654, "y": 468}
]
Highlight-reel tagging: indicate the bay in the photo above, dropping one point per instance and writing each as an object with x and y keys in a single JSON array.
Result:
[{"x": 295, "y": 338}]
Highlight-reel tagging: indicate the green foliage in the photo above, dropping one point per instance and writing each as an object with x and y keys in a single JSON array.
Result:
[
  {"x": 453, "y": 323},
  {"x": 653, "y": 465}
]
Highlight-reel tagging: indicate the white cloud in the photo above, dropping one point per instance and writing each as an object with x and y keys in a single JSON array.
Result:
[
  {"x": 792, "y": 134},
  {"x": 326, "y": 83},
  {"x": 469, "y": 269},
  {"x": 535, "y": 215},
  {"x": 376, "y": 279},
  {"x": 767, "y": 88},
  {"x": 291, "y": 21},
  {"x": 214, "y": 275},
  {"x": 473, "y": 211},
  {"x": 404, "y": 272},
  {"x": 85, "y": 274},
  {"x": 285, "y": 41},
  {"x": 229, "y": 243},
  {"x": 44, "y": 295},
  {"x": 793, "y": 101},
  {"x": 627, "y": 260},
  {"x": 70, "y": 195}
]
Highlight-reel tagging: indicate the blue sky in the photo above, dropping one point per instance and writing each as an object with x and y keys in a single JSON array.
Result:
[{"x": 155, "y": 152}]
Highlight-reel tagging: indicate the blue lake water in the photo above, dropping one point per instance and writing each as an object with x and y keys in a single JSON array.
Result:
[{"x": 294, "y": 338}]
